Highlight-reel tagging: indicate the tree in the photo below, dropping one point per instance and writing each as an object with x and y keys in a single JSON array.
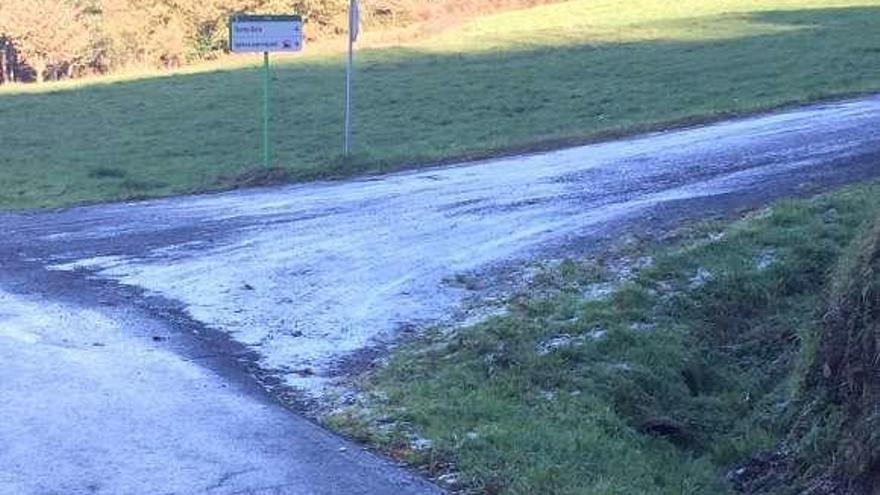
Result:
[
  {"x": 46, "y": 33},
  {"x": 7, "y": 60}
]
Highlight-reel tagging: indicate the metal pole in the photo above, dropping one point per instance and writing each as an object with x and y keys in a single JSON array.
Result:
[
  {"x": 267, "y": 159},
  {"x": 348, "y": 69}
]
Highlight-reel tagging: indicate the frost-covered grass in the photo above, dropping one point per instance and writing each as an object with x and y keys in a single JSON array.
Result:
[{"x": 690, "y": 366}]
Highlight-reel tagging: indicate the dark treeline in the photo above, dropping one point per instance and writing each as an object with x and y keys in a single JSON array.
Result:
[
  {"x": 58, "y": 39},
  {"x": 55, "y": 39}
]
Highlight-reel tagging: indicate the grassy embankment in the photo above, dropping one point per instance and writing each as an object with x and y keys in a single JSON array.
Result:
[
  {"x": 549, "y": 75},
  {"x": 691, "y": 365}
]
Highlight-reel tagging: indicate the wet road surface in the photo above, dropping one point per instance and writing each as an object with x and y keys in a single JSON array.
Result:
[{"x": 291, "y": 282}]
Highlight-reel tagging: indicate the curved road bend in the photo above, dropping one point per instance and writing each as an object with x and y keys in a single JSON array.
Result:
[{"x": 125, "y": 328}]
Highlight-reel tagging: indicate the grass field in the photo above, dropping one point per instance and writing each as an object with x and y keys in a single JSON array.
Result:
[
  {"x": 549, "y": 75},
  {"x": 660, "y": 387}
]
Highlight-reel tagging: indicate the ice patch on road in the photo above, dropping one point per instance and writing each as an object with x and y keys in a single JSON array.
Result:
[
  {"x": 10, "y": 328},
  {"x": 97, "y": 262},
  {"x": 307, "y": 275},
  {"x": 308, "y": 294}
]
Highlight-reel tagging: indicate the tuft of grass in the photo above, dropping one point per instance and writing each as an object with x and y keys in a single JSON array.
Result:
[
  {"x": 685, "y": 369},
  {"x": 531, "y": 79},
  {"x": 106, "y": 173}
]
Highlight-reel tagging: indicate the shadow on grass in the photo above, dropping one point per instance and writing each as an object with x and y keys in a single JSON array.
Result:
[{"x": 200, "y": 132}]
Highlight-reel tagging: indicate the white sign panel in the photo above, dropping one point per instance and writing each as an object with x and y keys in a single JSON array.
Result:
[{"x": 265, "y": 33}]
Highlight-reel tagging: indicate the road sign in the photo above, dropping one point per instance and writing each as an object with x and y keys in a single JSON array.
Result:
[
  {"x": 265, "y": 33},
  {"x": 354, "y": 19}
]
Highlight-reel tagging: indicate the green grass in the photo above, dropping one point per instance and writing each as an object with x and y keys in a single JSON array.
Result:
[
  {"x": 688, "y": 367},
  {"x": 555, "y": 74}
]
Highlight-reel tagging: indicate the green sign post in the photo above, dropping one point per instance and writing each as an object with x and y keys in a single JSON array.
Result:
[
  {"x": 265, "y": 33},
  {"x": 267, "y": 153}
]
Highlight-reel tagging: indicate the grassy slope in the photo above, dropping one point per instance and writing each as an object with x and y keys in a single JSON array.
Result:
[
  {"x": 834, "y": 444},
  {"x": 686, "y": 369},
  {"x": 556, "y": 73}
]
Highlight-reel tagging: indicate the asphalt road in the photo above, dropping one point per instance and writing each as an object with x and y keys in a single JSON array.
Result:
[
  {"x": 291, "y": 284},
  {"x": 97, "y": 401}
]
